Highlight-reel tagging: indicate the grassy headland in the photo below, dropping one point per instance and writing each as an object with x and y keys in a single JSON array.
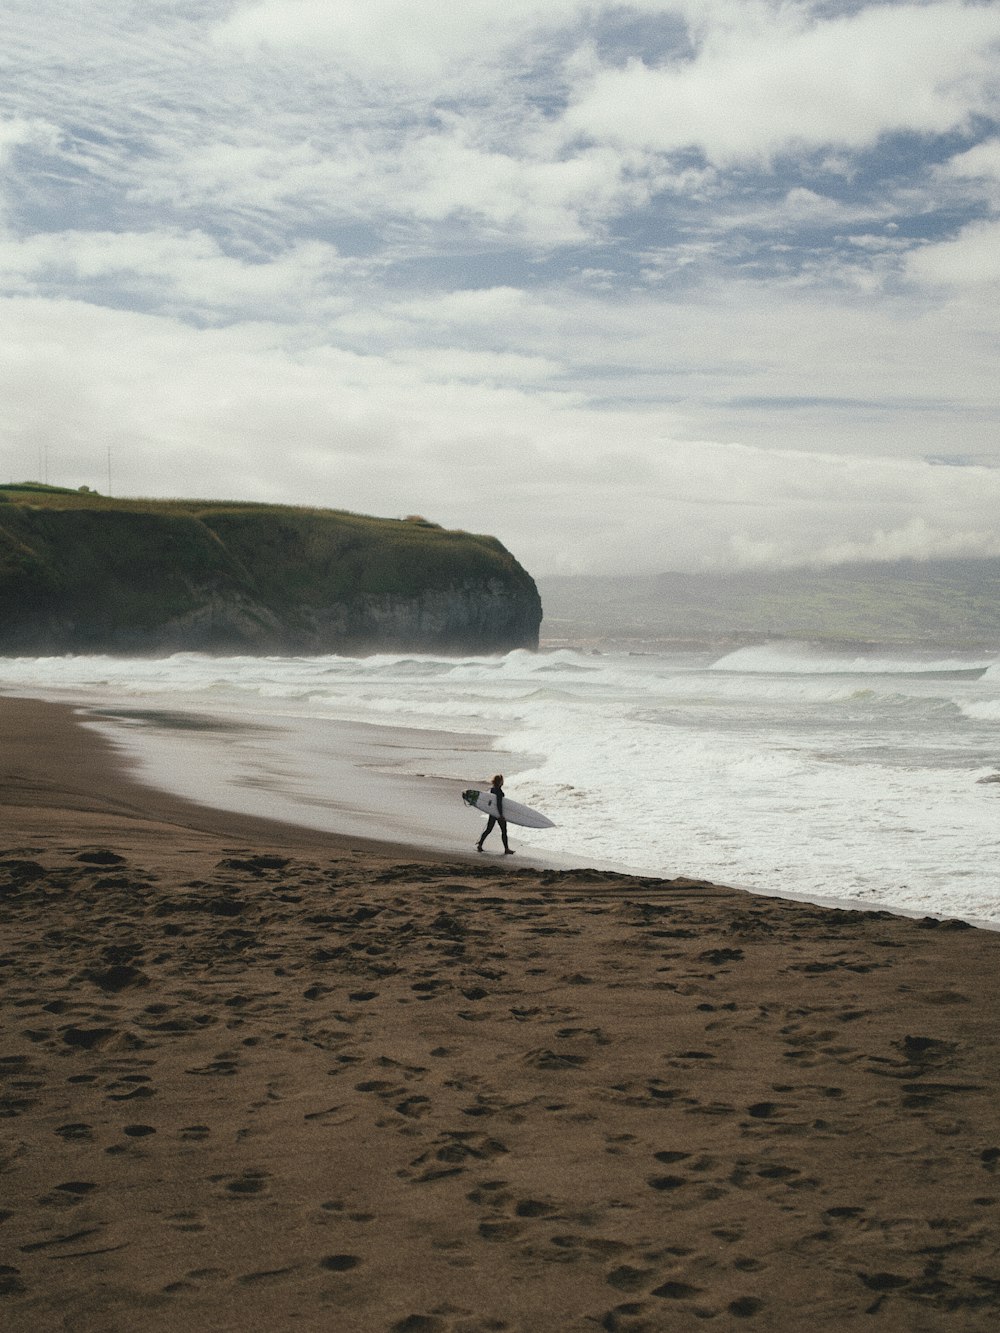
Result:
[{"x": 83, "y": 572}]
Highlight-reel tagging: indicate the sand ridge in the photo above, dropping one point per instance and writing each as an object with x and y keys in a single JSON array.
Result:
[{"x": 247, "y": 1085}]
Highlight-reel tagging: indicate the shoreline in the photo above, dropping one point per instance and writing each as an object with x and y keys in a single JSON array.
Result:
[
  {"x": 627, "y": 793},
  {"x": 257, "y": 1075},
  {"x": 355, "y": 790},
  {"x": 52, "y": 761},
  {"x": 430, "y": 801},
  {"x": 132, "y": 760},
  {"x": 354, "y": 779}
]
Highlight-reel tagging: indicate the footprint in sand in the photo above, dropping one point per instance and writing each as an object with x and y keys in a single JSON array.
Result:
[
  {"x": 131, "y": 1088},
  {"x": 547, "y": 1059},
  {"x": 536, "y": 1208},
  {"x": 450, "y": 1320},
  {"x": 59, "y": 1199},
  {"x": 728, "y": 1235},
  {"x": 384, "y": 1089},
  {"x": 627, "y": 1278},
  {"x": 666, "y": 1183},
  {"x": 414, "y": 1108},
  {"x": 745, "y": 1307},
  {"x": 632, "y": 1317},
  {"x": 500, "y": 1229},
  {"x": 458, "y": 1149},
  {"x": 77, "y": 1188},
  {"x": 87, "y": 1039},
  {"x": 77, "y": 1132},
  {"x": 265, "y": 1275},
  {"x": 748, "y": 1265},
  {"x": 676, "y": 1291},
  {"x": 492, "y": 1193},
  {"x": 219, "y": 1067},
  {"x": 340, "y": 1263},
  {"x": 250, "y": 1183},
  {"x": 10, "y": 1281}
]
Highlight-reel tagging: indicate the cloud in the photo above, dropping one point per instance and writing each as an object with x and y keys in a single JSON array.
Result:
[
  {"x": 914, "y": 539},
  {"x": 17, "y": 131},
  {"x": 671, "y": 284},
  {"x": 459, "y": 363},
  {"x": 773, "y": 80},
  {"x": 248, "y": 412},
  {"x": 982, "y": 161},
  {"x": 397, "y": 40},
  {"x": 445, "y": 175},
  {"x": 503, "y": 119},
  {"x": 180, "y": 272},
  {"x": 971, "y": 259}
]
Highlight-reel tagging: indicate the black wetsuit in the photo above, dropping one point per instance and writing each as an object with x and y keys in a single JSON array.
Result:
[{"x": 496, "y": 819}]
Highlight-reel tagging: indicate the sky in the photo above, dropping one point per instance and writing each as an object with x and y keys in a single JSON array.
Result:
[{"x": 674, "y": 284}]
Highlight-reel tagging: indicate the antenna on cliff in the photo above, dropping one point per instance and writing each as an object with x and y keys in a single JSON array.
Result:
[{"x": 109, "y": 469}]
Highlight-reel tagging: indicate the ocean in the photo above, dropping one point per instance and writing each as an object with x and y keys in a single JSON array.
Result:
[{"x": 856, "y": 777}]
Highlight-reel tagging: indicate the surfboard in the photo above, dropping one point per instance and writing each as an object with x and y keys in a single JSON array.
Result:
[{"x": 513, "y": 811}]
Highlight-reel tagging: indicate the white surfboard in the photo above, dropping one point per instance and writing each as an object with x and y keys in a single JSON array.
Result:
[{"x": 513, "y": 811}]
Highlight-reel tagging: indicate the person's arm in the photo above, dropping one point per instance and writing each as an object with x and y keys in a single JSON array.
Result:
[{"x": 499, "y": 796}]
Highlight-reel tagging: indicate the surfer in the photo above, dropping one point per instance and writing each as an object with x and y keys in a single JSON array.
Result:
[{"x": 496, "y": 790}]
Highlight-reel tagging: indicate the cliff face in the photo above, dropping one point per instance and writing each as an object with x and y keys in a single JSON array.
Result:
[{"x": 80, "y": 573}]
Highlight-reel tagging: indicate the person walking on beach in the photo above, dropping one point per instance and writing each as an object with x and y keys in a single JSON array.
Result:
[{"x": 497, "y": 790}]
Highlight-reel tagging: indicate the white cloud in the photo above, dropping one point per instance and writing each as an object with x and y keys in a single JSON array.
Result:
[
  {"x": 916, "y": 538},
  {"x": 249, "y": 412},
  {"x": 775, "y": 79},
  {"x": 443, "y": 175},
  {"x": 17, "y": 131},
  {"x": 476, "y": 367},
  {"x": 972, "y": 258},
  {"x": 461, "y": 167},
  {"x": 267, "y": 124},
  {"x": 396, "y": 39},
  {"x": 981, "y": 161},
  {"x": 182, "y": 271},
  {"x": 400, "y": 257},
  {"x": 21, "y": 132}
]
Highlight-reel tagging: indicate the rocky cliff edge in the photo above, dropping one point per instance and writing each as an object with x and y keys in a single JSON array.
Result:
[{"x": 83, "y": 573}]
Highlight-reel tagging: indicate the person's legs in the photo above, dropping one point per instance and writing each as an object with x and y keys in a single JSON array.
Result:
[
  {"x": 490, "y": 824},
  {"x": 503, "y": 834}
]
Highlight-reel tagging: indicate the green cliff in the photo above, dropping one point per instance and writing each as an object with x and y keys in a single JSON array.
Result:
[{"x": 83, "y": 573}]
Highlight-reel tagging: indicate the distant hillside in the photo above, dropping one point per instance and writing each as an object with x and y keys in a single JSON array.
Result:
[
  {"x": 934, "y": 603},
  {"x": 83, "y": 573}
]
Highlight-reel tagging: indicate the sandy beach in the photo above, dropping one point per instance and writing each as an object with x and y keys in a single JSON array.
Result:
[{"x": 256, "y": 1076}]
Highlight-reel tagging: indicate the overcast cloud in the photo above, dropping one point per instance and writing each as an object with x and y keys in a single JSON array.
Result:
[{"x": 662, "y": 285}]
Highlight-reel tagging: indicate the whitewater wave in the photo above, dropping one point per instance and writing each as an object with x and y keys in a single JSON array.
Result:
[
  {"x": 984, "y": 710},
  {"x": 807, "y": 659}
]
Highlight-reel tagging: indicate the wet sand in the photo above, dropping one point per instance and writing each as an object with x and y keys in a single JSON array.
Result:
[
  {"x": 352, "y": 778},
  {"x": 254, "y": 1076}
]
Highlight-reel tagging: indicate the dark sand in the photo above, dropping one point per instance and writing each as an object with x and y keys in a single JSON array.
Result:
[{"x": 257, "y": 1077}]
